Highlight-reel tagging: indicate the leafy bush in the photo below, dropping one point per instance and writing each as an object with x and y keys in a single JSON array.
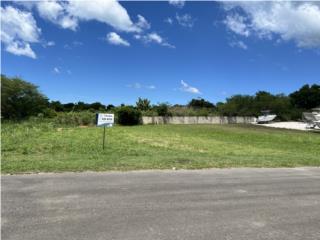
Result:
[
  {"x": 163, "y": 109},
  {"x": 149, "y": 113},
  {"x": 75, "y": 118},
  {"x": 191, "y": 111},
  {"x": 49, "y": 113},
  {"x": 200, "y": 103},
  {"x": 128, "y": 115}
]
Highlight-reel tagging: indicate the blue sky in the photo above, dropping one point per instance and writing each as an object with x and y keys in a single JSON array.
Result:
[{"x": 115, "y": 52}]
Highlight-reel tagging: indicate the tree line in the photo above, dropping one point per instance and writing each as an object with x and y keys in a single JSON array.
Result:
[{"x": 21, "y": 99}]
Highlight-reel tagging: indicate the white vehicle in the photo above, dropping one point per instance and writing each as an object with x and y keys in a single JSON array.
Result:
[
  {"x": 312, "y": 118},
  {"x": 316, "y": 113},
  {"x": 266, "y": 117}
]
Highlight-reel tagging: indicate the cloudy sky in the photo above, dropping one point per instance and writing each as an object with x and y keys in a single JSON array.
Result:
[{"x": 115, "y": 52}]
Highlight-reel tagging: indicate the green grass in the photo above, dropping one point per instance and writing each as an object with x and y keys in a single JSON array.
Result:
[{"x": 42, "y": 147}]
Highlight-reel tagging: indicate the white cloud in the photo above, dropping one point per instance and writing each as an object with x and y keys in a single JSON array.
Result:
[
  {"x": 135, "y": 85},
  {"x": 185, "y": 20},
  {"x": 56, "y": 13},
  {"x": 153, "y": 38},
  {"x": 72, "y": 45},
  {"x": 68, "y": 14},
  {"x": 56, "y": 70},
  {"x": 236, "y": 23},
  {"x": 284, "y": 21},
  {"x": 18, "y": 30},
  {"x": 115, "y": 39},
  {"x": 51, "y": 43},
  {"x": 187, "y": 88},
  {"x": 46, "y": 44},
  {"x": 140, "y": 86},
  {"x": 21, "y": 49},
  {"x": 106, "y": 11},
  {"x": 239, "y": 44},
  {"x": 177, "y": 3},
  {"x": 77, "y": 43},
  {"x": 49, "y": 10},
  {"x": 20, "y": 24},
  {"x": 151, "y": 87},
  {"x": 143, "y": 23},
  {"x": 68, "y": 22},
  {"x": 169, "y": 20}
]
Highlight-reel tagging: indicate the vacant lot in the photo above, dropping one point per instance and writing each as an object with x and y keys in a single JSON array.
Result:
[{"x": 43, "y": 147}]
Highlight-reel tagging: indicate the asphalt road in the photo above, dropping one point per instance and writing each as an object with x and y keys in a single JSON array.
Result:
[{"x": 206, "y": 204}]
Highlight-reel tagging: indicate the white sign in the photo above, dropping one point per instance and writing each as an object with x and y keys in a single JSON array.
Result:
[{"x": 105, "y": 119}]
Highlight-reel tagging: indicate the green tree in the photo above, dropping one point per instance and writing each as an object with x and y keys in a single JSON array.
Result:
[
  {"x": 237, "y": 105},
  {"x": 110, "y": 107},
  {"x": 21, "y": 99},
  {"x": 128, "y": 115},
  {"x": 143, "y": 104},
  {"x": 306, "y": 97},
  {"x": 81, "y": 106},
  {"x": 245, "y": 105},
  {"x": 56, "y": 106},
  {"x": 278, "y": 104},
  {"x": 200, "y": 103},
  {"x": 97, "y": 106},
  {"x": 69, "y": 107},
  {"x": 162, "y": 109}
]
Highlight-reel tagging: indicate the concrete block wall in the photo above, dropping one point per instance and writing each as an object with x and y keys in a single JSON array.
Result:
[{"x": 197, "y": 120}]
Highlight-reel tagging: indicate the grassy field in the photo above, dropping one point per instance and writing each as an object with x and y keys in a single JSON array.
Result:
[{"x": 43, "y": 147}]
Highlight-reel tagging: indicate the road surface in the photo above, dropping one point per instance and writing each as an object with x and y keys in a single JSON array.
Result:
[{"x": 202, "y": 204}]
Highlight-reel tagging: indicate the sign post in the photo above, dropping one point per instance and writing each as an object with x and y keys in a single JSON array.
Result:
[
  {"x": 104, "y": 136},
  {"x": 105, "y": 120}
]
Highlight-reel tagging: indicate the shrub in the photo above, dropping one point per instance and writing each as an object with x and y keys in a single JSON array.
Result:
[
  {"x": 128, "y": 116},
  {"x": 49, "y": 113},
  {"x": 76, "y": 118},
  {"x": 188, "y": 111},
  {"x": 200, "y": 103},
  {"x": 150, "y": 113},
  {"x": 163, "y": 109}
]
